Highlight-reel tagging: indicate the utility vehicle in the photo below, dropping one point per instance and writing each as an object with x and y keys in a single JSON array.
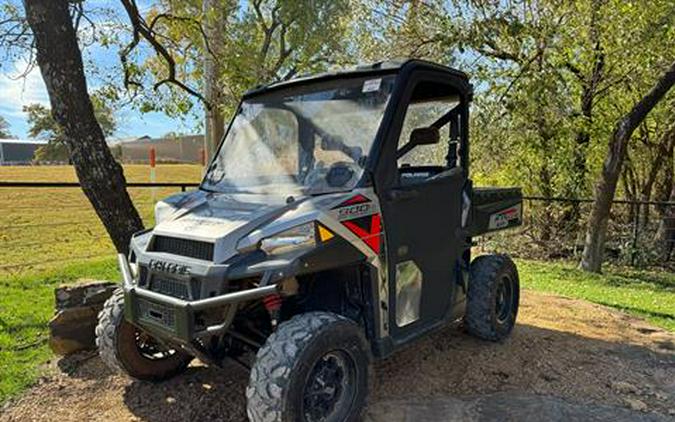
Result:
[{"x": 333, "y": 227}]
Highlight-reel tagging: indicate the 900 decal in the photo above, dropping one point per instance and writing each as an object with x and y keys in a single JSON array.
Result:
[
  {"x": 355, "y": 207},
  {"x": 355, "y": 211},
  {"x": 360, "y": 215}
]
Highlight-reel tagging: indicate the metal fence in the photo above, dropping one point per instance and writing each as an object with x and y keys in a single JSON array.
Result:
[
  {"x": 639, "y": 233},
  {"x": 45, "y": 224}
]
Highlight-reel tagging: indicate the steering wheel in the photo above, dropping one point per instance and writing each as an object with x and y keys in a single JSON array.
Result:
[
  {"x": 338, "y": 175},
  {"x": 341, "y": 173}
]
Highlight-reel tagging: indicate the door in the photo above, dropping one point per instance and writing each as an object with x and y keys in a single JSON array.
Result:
[{"x": 422, "y": 211}]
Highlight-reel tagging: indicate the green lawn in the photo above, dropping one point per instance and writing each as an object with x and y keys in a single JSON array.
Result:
[
  {"x": 648, "y": 294},
  {"x": 45, "y": 227},
  {"x": 27, "y": 304}
]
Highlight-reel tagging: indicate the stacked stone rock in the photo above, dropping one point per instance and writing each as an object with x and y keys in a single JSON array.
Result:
[{"x": 77, "y": 306}]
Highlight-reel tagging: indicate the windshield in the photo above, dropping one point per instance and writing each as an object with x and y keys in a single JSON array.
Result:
[{"x": 309, "y": 139}]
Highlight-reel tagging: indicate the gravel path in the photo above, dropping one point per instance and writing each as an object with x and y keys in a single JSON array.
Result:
[{"x": 566, "y": 360}]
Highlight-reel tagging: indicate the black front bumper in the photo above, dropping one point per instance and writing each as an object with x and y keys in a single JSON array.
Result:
[{"x": 174, "y": 318}]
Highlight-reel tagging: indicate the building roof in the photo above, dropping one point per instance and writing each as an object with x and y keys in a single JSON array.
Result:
[
  {"x": 117, "y": 141},
  {"x": 24, "y": 141}
]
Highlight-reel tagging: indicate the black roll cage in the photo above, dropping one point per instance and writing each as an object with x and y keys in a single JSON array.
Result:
[{"x": 408, "y": 74}]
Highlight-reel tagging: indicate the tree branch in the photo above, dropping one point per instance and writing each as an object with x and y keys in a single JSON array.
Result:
[{"x": 141, "y": 29}]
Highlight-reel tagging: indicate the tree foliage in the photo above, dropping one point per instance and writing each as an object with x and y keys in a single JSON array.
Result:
[
  {"x": 43, "y": 126},
  {"x": 258, "y": 41},
  {"x": 4, "y": 129}
]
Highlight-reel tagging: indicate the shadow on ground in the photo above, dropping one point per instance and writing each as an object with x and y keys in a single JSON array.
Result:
[
  {"x": 566, "y": 360},
  {"x": 450, "y": 376}
]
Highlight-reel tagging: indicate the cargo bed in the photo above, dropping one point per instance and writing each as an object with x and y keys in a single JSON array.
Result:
[{"x": 494, "y": 209}]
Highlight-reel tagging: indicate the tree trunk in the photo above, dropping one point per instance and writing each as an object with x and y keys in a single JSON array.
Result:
[
  {"x": 589, "y": 85},
  {"x": 665, "y": 234},
  {"x": 605, "y": 187},
  {"x": 545, "y": 181},
  {"x": 666, "y": 231},
  {"x": 665, "y": 185},
  {"x": 665, "y": 145},
  {"x": 214, "y": 122},
  {"x": 60, "y": 61}
]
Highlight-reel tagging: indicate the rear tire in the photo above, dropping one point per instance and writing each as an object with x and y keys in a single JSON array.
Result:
[
  {"x": 314, "y": 367},
  {"x": 126, "y": 349},
  {"x": 494, "y": 293}
]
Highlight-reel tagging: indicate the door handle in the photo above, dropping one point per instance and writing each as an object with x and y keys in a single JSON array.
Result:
[{"x": 402, "y": 195}]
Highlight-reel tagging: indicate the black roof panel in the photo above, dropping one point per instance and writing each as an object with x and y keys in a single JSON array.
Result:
[{"x": 391, "y": 66}]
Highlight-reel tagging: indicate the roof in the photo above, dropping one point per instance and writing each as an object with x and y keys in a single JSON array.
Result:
[
  {"x": 146, "y": 140},
  {"x": 117, "y": 141},
  {"x": 360, "y": 70},
  {"x": 24, "y": 141}
]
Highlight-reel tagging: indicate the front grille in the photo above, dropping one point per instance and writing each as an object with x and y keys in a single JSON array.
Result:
[
  {"x": 175, "y": 288},
  {"x": 183, "y": 247},
  {"x": 156, "y": 314}
]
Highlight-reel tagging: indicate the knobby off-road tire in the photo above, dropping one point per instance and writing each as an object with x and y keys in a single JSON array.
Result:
[
  {"x": 313, "y": 367},
  {"x": 126, "y": 349},
  {"x": 494, "y": 293}
]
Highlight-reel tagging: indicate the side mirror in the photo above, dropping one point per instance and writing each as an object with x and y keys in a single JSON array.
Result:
[
  {"x": 424, "y": 136},
  {"x": 420, "y": 136}
]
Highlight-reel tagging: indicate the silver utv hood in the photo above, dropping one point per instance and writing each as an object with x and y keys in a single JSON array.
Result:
[
  {"x": 237, "y": 222},
  {"x": 217, "y": 218},
  {"x": 210, "y": 216}
]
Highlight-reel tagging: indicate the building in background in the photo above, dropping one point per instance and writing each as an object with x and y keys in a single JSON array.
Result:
[
  {"x": 18, "y": 151},
  {"x": 173, "y": 149}
]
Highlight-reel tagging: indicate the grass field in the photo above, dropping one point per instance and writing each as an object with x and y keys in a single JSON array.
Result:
[
  {"x": 26, "y": 305},
  {"x": 57, "y": 233},
  {"x": 43, "y": 228},
  {"x": 647, "y": 294}
]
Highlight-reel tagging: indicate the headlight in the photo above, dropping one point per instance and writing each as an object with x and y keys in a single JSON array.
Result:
[
  {"x": 134, "y": 270},
  {"x": 163, "y": 211},
  {"x": 133, "y": 265},
  {"x": 299, "y": 237}
]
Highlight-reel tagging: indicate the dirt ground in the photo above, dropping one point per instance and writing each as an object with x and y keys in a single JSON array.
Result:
[{"x": 567, "y": 360}]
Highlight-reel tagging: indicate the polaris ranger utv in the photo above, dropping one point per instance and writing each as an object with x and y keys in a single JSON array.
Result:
[{"x": 334, "y": 226}]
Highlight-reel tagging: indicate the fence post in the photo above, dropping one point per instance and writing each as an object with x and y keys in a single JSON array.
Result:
[
  {"x": 153, "y": 159},
  {"x": 636, "y": 233}
]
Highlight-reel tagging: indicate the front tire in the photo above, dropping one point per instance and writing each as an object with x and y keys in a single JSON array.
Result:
[
  {"x": 494, "y": 293},
  {"x": 125, "y": 348},
  {"x": 314, "y": 367}
]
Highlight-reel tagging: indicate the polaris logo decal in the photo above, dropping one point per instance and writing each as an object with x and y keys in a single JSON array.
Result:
[
  {"x": 505, "y": 218},
  {"x": 168, "y": 267}
]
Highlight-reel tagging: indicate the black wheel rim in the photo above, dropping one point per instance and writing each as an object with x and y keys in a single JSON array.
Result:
[
  {"x": 330, "y": 389},
  {"x": 504, "y": 299},
  {"x": 149, "y": 348}
]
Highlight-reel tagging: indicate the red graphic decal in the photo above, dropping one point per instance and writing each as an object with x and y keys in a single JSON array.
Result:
[
  {"x": 370, "y": 234},
  {"x": 358, "y": 199}
]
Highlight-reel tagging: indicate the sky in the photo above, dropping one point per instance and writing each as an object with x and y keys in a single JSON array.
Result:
[{"x": 16, "y": 92}]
